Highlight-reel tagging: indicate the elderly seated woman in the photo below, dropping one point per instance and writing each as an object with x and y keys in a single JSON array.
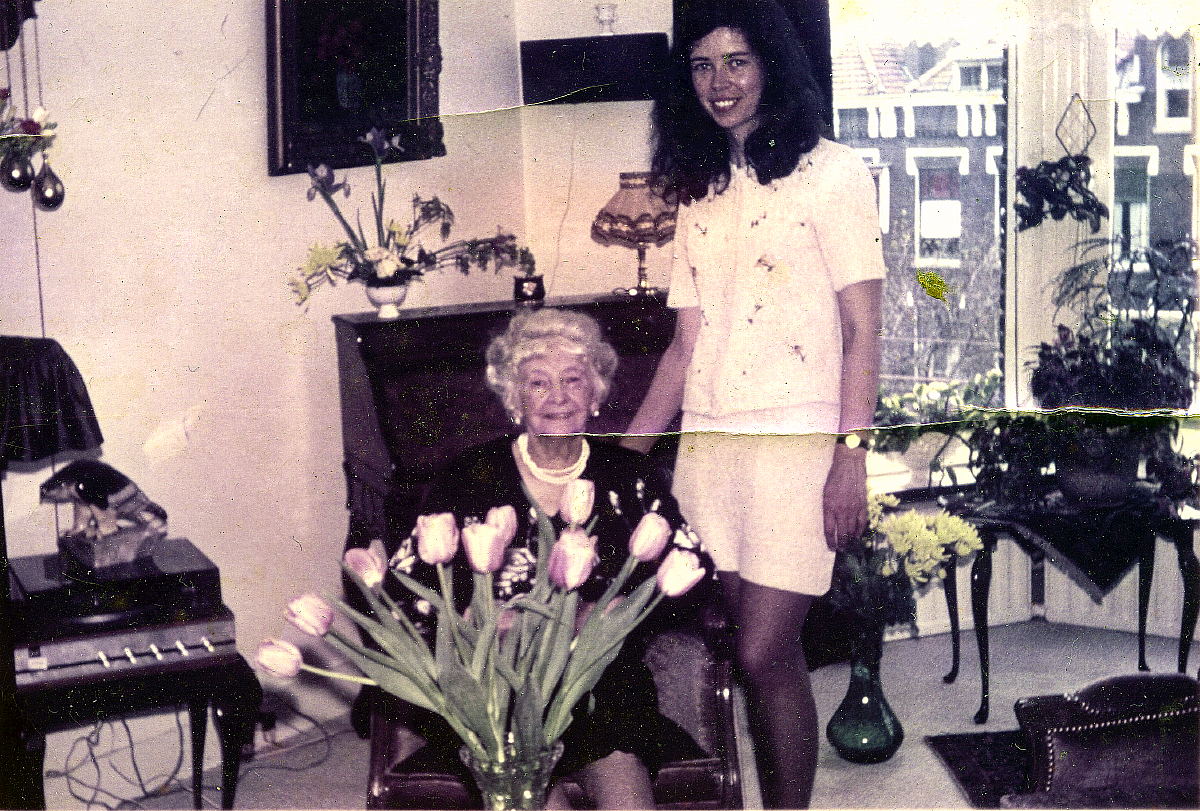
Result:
[{"x": 552, "y": 369}]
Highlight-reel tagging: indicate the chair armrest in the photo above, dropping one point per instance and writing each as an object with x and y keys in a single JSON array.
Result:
[{"x": 1116, "y": 735}]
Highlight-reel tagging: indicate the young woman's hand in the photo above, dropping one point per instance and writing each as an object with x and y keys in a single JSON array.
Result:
[{"x": 845, "y": 497}]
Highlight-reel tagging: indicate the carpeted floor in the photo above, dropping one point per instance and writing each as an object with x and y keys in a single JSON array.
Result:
[{"x": 986, "y": 765}]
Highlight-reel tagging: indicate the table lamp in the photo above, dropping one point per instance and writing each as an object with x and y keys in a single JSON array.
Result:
[
  {"x": 636, "y": 217},
  {"x": 44, "y": 410}
]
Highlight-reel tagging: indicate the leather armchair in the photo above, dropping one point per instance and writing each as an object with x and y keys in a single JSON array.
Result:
[
  {"x": 691, "y": 668},
  {"x": 1122, "y": 742}
]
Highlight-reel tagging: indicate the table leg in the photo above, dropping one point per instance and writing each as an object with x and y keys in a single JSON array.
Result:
[
  {"x": 1145, "y": 579},
  {"x": 26, "y": 774},
  {"x": 235, "y": 712},
  {"x": 950, "y": 585},
  {"x": 198, "y": 715},
  {"x": 981, "y": 584},
  {"x": 1189, "y": 568}
]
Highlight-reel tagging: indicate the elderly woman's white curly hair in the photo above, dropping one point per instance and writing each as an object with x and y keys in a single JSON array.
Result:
[{"x": 536, "y": 332}]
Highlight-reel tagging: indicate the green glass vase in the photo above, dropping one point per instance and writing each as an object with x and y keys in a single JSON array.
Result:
[
  {"x": 519, "y": 781},
  {"x": 864, "y": 729}
]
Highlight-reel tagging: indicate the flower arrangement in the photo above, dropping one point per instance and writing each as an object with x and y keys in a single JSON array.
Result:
[
  {"x": 399, "y": 253},
  {"x": 936, "y": 407},
  {"x": 23, "y": 136},
  {"x": 507, "y": 675},
  {"x": 874, "y": 580}
]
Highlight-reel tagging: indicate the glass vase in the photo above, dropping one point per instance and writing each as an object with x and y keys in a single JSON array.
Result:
[
  {"x": 864, "y": 729},
  {"x": 519, "y": 781}
]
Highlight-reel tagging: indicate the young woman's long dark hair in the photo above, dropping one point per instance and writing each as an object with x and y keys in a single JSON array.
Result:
[{"x": 690, "y": 150}]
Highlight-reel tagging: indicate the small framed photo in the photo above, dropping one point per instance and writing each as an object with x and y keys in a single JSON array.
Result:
[{"x": 337, "y": 68}]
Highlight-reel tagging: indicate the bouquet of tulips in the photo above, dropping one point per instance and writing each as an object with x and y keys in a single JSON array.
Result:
[{"x": 506, "y": 675}]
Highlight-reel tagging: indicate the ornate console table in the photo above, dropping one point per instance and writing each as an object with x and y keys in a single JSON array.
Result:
[{"x": 1094, "y": 547}]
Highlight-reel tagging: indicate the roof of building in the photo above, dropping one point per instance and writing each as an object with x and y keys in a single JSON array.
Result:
[{"x": 865, "y": 69}]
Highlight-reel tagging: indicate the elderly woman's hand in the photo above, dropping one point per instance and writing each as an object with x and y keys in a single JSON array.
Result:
[{"x": 845, "y": 497}]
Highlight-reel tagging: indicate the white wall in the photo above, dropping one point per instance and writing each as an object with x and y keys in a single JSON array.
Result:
[
  {"x": 574, "y": 154},
  {"x": 164, "y": 277}
]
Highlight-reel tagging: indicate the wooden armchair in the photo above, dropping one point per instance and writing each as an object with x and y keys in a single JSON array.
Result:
[
  {"x": 1123, "y": 742},
  {"x": 691, "y": 668}
]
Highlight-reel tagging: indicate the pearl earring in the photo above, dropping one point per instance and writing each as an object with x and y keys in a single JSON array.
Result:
[{"x": 596, "y": 411}]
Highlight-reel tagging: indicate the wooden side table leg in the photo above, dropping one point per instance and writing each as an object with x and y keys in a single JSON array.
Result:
[
  {"x": 981, "y": 585},
  {"x": 1189, "y": 569},
  {"x": 235, "y": 712},
  {"x": 1145, "y": 580},
  {"x": 198, "y": 715},
  {"x": 950, "y": 585}
]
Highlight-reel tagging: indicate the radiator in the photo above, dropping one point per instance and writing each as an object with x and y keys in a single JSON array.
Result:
[
  {"x": 1008, "y": 601},
  {"x": 1066, "y": 602}
]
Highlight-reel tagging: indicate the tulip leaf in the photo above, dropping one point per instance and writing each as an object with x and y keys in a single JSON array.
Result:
[
  {"x": 527, "y": 718},
  {"x": 467, "y": 697},
  {"x": 483, "y": 646},
  {"x": 560, "y": 646},
  {"x": 421, "y": 590},
  {"x": 401, "y": 647},
  {"x": 386, "y": 677}
]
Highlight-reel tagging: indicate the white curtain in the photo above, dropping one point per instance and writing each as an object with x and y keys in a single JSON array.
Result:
[{"x": 970, "y": 21}]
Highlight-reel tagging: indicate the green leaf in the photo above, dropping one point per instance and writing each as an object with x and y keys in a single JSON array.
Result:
[
  {"x": 466, "y": 698},
  {"x": 560, "y": 646},
  {"x": 388, "y": 679},
  {"x": 527, "y": 718}
]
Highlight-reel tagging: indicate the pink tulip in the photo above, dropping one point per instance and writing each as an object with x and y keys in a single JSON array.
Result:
[
  {"x": 572, "y": 559},
  {"x": 504, "y": 519},
  {"x": 437, "y": 538},
  {"x": 368, "y": 564},
  {"x": 577, "y": 500},
  {"x": 649, "y": 537},
  {"x": 484, "y": 546},
  {"x": 679, "y": 571},
  {"x": 310, "y": 614},
  {"x": 279, "y": 658}
]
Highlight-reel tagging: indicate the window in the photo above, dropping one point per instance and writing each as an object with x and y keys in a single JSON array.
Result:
[
  {"x": 852, "y": 123},
  {"x": 939, "y": 214},
  {"x": 936, "y": 121},
  {"x": 1173, "y": 97},
  {"x": 1131, "y": 198},
  {"x": 995, "y": 77}
]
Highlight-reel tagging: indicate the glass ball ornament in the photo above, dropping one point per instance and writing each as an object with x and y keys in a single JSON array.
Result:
[
  {"x": 48, "y": 190},
  {"x": 16, "y": 171}
]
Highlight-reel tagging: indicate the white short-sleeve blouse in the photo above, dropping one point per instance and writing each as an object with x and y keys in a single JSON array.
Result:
[{"x": 764, "y": 264}]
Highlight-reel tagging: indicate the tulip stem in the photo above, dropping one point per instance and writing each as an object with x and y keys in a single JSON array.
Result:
[{"x": 333, "y": 674}]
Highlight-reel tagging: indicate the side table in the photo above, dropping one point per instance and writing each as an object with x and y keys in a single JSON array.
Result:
[
  {"x": 225, "y": 683},
  {"x": 1139, "y": 526}
]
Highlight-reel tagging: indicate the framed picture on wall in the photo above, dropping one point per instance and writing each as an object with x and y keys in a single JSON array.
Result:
[{"x": 337, "y": 68}]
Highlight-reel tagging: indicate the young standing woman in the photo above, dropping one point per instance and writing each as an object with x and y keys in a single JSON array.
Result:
[{"x": 777, "y": 279}]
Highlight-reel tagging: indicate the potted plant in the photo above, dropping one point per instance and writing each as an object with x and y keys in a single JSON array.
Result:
[
  {"x": 1112, "y": 383},
  {"x": 400, "y": 252},
  {"x": 924, "y": 422}
]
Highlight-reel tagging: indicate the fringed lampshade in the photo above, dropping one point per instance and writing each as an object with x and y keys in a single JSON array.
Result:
[{"x": 636, "y": 217}]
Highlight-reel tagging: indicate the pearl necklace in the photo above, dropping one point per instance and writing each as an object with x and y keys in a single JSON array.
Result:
[{"x": 552, "y": 475}]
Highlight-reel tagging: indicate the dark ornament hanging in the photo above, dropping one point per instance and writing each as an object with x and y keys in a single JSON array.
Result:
[
  {"x": 48, "y": 190},
  {"x": 16, "y": 170}
]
